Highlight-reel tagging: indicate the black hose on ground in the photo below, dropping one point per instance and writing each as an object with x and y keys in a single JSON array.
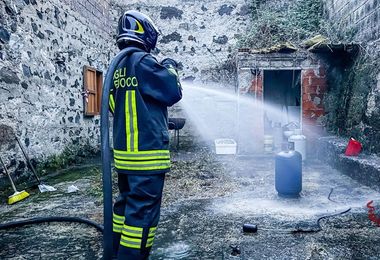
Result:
[
  {"x": 298, "y": 230},
  {"x": 39, "y": 220},
  {"x": 329, "y": 197},
  {"x": 301, "y": 230},
  {"x": 106, "y": 156}
]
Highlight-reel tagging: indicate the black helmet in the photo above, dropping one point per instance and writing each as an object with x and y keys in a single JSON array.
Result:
[{"x": 137, "y": 27}]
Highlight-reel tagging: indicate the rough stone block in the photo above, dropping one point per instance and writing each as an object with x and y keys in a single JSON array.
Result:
[
  {"x": 4, "y": 35},
  {"x": 170, "y": 12},
  {"x": 220, "y": 39},
  {"x": 364, "y": 168},
  {"x": 226, "y": 9},
  {"x": 8, "y": 76},
  {"x": 175, "y": 36}
]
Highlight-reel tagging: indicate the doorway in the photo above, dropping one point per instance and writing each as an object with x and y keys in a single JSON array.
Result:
[{"x": 282, "y": 98}]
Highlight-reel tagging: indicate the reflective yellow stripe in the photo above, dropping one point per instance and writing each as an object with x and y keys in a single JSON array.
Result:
[
  {"x": 149, "y": 242},
  {"x": 137, "y": 229},
  {"x": 134, "y": 120},
  {"x": 142, "y": 158},
  {"x": 131, "y": 239},
  {"x": 137, "y": 168},
  {"x": 127, "y": 121},
  {"x": 112, "y": 103},
  {"x": 141, "y": 152},
  {"x": 117, "y": 229},
  {"x": 152, "y": 231},
  {"x": 121, "y": 222},
  {"x": 130, "y": 242},
  {"x": 118, "y": 217},
  {"x": 131, "y": 127},
  {"x": 117, "y": 225},
  {"x": 131, "y": 234},
  {"x": 127, "y": 166},
  {"x": 142, "y": 162}
]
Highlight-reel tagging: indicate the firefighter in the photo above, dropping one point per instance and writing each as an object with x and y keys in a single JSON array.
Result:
[{"x": 142, "y": 90}]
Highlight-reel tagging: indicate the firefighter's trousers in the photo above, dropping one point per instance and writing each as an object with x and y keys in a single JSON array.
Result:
[{"x": 136, "y": 215}]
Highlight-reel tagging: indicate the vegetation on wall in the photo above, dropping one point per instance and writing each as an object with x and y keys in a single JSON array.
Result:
[
  {"x": 346, "y": 102},
  {"x": 71, "y": 155},
  {"x": 276, "y": 22}
]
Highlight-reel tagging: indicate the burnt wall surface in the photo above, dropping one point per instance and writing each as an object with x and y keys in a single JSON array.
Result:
[
  {"x": 43, "y": 48},
  {"x": 353, "y": 99},
  {"x": 201, "y": 35}
]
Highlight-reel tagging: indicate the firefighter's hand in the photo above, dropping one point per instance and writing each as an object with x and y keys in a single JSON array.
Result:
[{"x": 168, "y": 62}]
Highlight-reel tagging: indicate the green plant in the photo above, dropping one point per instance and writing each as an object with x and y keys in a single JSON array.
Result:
[
  {"x": 71, "y": 154},
  {"x": 278, "y": 22}
]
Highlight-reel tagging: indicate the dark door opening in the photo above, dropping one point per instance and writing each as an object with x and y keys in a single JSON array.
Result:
[{"x": 282, "y": 98}]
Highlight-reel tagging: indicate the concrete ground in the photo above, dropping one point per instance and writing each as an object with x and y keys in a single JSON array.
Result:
[{"x": 207, "y": 200}]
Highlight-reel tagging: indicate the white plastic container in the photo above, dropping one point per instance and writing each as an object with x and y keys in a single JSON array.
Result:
[
  {"x": 268, "y": 143},
  {"x": 299, "y": 141},
  {"x": 277, "y": 136},
  {"x": 225, "y": 146}
]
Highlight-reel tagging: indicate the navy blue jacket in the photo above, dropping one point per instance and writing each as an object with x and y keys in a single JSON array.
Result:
[{"x": 141, "y": 92}]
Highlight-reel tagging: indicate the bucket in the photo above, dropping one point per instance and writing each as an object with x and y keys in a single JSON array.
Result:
[
  {"x": 277, "y": 136},
  {"x": 354, "y": 147},
  {"x": 299, "y": 141},
  {"x": 268, "y": 143}
]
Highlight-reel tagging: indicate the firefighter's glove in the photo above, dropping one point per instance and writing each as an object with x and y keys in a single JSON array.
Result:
[{"x": 168, "y": 62}]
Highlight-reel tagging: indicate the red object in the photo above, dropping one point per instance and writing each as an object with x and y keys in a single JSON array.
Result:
[
  {"x": 371, "y": 213},
  {"x": 353, "y": 148}
]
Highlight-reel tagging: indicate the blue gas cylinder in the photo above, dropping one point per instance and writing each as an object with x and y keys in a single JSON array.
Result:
[{"x": 288, "y": 173}]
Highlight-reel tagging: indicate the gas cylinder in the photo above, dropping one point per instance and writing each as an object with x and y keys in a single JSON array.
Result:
[
  {"x": 288, "y": 173},
  {"x": 299, "y": 141}
]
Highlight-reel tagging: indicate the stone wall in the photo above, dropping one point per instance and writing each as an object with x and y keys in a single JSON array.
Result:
[
  {"x": 353, "y": 98},
  {"x": 43, "y": 48},
  {"x": 201, "y": 34},
  {"x": 355, "y": 20}
]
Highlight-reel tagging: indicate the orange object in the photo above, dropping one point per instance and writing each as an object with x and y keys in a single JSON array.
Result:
[{"x": 353, "y": 148}]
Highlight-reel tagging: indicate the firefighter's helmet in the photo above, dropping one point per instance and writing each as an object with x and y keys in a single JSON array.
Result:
[{"x": 137, "y": 27}]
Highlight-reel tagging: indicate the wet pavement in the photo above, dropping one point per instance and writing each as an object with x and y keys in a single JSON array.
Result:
[{"x": 207, "y": 200}]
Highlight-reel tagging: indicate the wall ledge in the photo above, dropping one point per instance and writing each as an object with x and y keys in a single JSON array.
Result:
[{"x": 364, "y": 168}]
